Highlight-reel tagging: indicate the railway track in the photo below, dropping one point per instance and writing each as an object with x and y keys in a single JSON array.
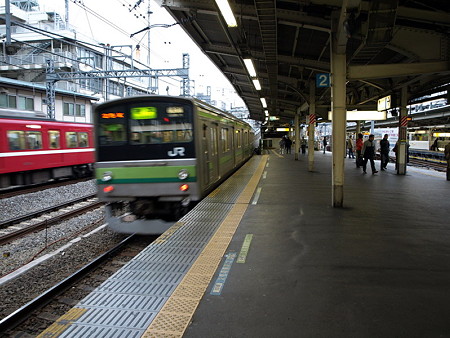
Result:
[
  {"x": 428, "y": 164},
  {"x": 41, "y": 312},
  {"x": 22, "y": 190},
  {"x": 22, "y": 225}
]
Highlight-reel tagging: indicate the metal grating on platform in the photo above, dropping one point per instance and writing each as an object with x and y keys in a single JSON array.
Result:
[{"x": 128, "y": 302}]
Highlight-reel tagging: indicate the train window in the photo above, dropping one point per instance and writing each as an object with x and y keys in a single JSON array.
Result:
[
  {"x": 71, "y": 139},
  {"x": 161, "y": 123},
  {"x": 83, "y": 140},
  {"x": 33, "y": 140},
  {"x": 16, "y": 140},
  {"x": 238, "y": 138},
  {"x": 225, "y": 140},
  {"x": 54, "y": 141},
  {"x": 215, "y": 148},
  {"x": 113, "y": 132}
]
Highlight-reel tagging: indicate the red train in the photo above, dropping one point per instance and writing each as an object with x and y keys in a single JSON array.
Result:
[{"x": 36, "y": 150}]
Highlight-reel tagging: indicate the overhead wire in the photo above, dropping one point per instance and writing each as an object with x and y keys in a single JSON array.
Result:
[{"x": 62, "y": 38}]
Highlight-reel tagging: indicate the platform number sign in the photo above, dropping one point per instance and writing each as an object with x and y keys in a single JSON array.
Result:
[{"x": 323, "y": 80}]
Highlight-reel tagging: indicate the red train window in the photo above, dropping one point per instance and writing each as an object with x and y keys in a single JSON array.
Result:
[
  {"x": 54, "y": 140},
  {"x": 21, "y": 140}
]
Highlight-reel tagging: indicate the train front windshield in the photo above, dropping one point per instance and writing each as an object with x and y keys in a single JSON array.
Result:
[{"x": 145, "y": 131}]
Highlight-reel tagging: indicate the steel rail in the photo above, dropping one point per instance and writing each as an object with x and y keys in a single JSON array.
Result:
[
  {"x": 36, "y": 214},
  {"x": 20, "y": 315},
  {"x": 43, "y": 224}
]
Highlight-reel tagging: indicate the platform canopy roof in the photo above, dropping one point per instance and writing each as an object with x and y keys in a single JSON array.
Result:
[{"x": 388, "y": 45}]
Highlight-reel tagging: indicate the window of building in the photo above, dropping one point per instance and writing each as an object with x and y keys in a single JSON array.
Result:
[
  {"x": 68, "y": 109},
  {"x": 13, "y": 101},
  {"x": 25, "y": 103},
  {"x": 80, "y": 110}
]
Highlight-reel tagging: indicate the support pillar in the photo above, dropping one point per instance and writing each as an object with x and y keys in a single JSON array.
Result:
[
  {"x": 358, "y": 129},
  {"x": 297, "y": 136},
  {"x": 311, "y": 124},
  {"x": 402, "y": 146},
  {"x": 339, "y": 109}
]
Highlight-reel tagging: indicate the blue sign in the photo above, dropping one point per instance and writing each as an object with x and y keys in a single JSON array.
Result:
[
  {"x": 223, "y": 274},
  {"x": 323, "y": 80}
]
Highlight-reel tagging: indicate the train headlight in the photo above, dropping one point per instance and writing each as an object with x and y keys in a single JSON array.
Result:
[
  {"x": 183, "y": 174},
  {"x": 107, "y": 176}
]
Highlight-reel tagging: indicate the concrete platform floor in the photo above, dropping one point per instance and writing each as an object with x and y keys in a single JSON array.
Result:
[{"x": 379, "y": 267}]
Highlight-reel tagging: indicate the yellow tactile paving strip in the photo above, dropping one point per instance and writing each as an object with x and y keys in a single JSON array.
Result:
[
  {"x": 177, "y": 312},
  {"x": 63, "y": 323}
]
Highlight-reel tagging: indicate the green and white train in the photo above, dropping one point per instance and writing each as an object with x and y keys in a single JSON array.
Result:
[{"x": 159, "y": 155}]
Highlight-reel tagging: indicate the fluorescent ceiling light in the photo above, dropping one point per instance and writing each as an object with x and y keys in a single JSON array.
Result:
[
  {"x": 257, "y": 84},
  {"x": 266, "y": 112},
  {"x": 360, "y": 115},
  {"x": 263, "y": 102},
  {"x": 227, "y": 13},
  {"x": 441, "y": 134},
  {"x": 250, "y": 68}
]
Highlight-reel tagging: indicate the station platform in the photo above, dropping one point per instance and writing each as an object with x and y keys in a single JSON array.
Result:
[{"x": 266, "y": 255}]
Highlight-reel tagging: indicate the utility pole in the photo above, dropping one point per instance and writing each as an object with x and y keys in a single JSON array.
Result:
[
  {"x": 67, "y": 13},
  {"x": 148, "y": 38},
  {"x": 8, "y": 22}
]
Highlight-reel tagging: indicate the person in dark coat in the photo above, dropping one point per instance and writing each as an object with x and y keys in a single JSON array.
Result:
[
  {"x": 384, "y": 152},
  {"x": 447, "y": 157},
  {"x": 368, "y": 152},
  {"x": 288, "y": 144},
  {"x": 359, "y": 145},
  {"x": 303, "y": 145}
]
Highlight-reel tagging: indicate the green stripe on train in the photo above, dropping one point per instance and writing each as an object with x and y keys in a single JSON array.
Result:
[
  {"x": 146, "y": 174},
  {"x": 147, "y": 180}
]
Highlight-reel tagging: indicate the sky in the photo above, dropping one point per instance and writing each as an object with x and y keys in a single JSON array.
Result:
[{"x": 166, "y": 44}]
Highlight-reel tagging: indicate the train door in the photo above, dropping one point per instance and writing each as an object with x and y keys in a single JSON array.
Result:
[
  {"x": 206, "y": 160},
  {"x": 233, "y": 146},
  {"x": 214, "y": 153}
]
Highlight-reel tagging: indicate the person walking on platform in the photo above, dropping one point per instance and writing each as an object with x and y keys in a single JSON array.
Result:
[
  {"x": 303, "y": 145},
  {"x": 288, "y": 145},
  {"x": 359, "y": 145},
  {"x": 324, "y": 144},
  {"x": 368, "y": 151},
  {"x": 282, "y": 144},
  {"x": 384, "y": 152},
  {"x": 350, "y": 147},
  {"x": 447, "y": 157}
]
